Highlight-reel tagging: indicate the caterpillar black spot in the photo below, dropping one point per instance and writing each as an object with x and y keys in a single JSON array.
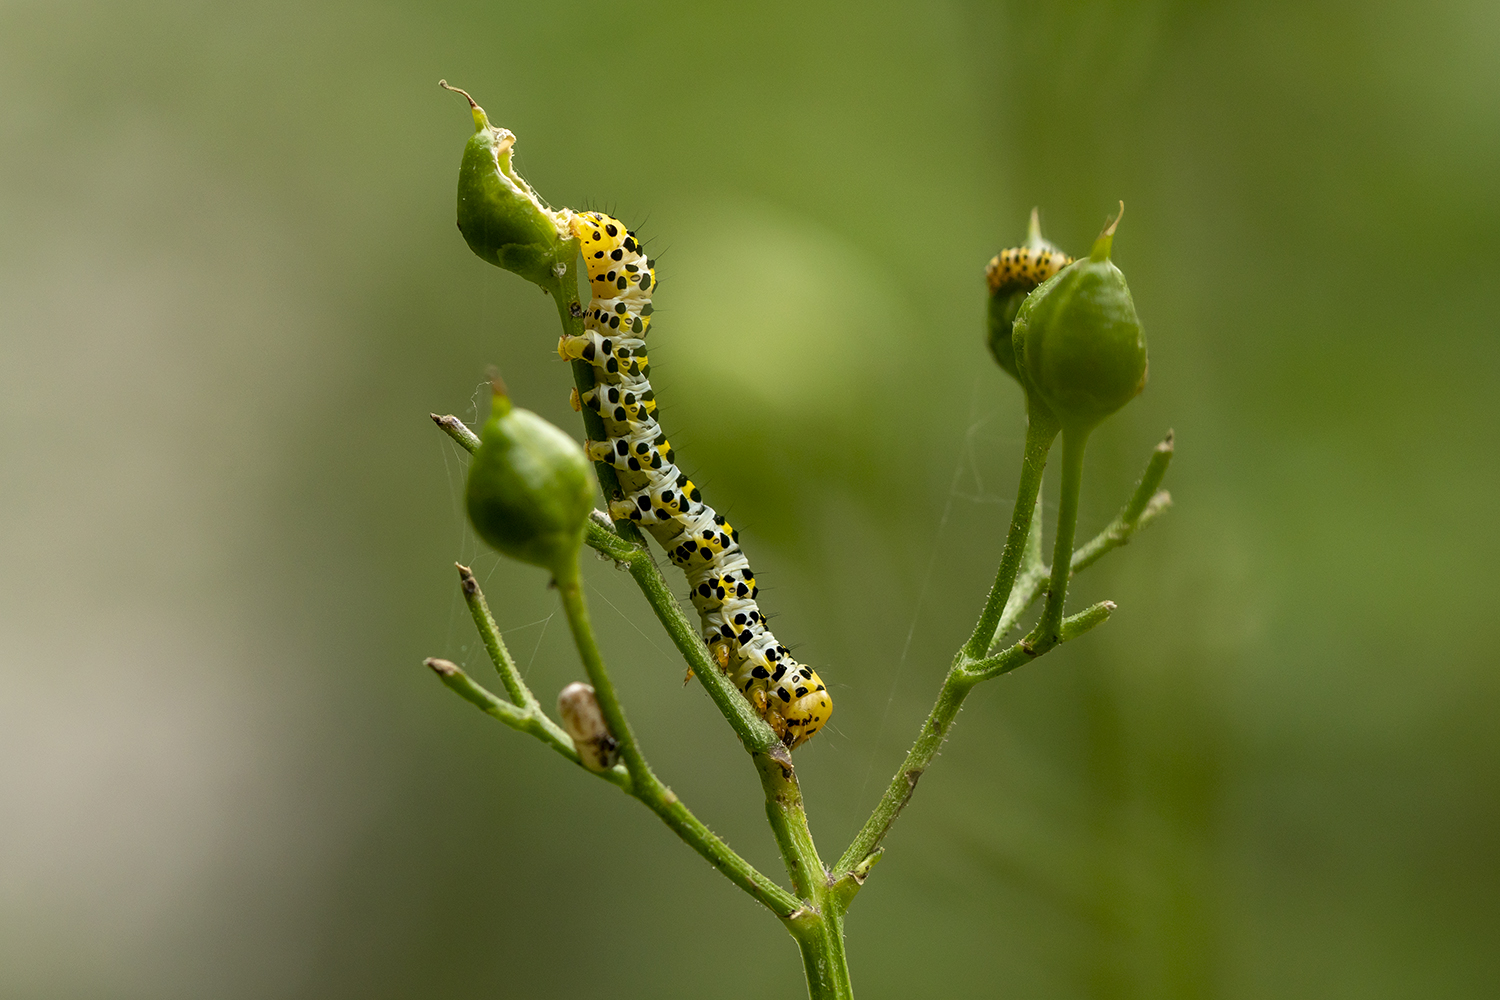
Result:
[{"x": 661, "y": 498}]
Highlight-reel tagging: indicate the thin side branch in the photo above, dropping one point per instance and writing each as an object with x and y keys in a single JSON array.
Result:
[
  {"x": 533, "y": 723},
  {"x": 1146, "y": 504},
  {"x": 489, "y": 632},
  {"x": 455, "y": 428}
]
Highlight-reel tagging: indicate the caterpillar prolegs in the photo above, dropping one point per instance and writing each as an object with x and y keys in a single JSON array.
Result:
[{"x": 661, "y": 498}]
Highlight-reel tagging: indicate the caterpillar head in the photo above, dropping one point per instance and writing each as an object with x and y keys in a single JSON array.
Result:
[
  {"x": 599, "y": 236},
  {"x": 806, "y": 712}
]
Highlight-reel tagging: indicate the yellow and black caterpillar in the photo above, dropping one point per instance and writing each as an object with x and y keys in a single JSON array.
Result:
[
  {"x": 662, "y": 499},
  {"x": 1023, "y": 268}
]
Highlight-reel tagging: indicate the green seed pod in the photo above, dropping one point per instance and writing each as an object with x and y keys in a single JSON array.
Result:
[
  {"x": 501, "y": 217},
  {"x": 1011, "y": 275},
  {"x": 530, "y": 488},
  {"x": 1078, "y": 342},
  {"x": 578, "y": 707}
]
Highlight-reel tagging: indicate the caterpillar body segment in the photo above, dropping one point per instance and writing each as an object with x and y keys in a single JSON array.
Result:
[
  {"x": 1023, "y": 268},
  {"x": 659, "y": 502},
  {"x": 659, "y": 496},
  {"x": 643, "y": 450},
  {"x": 623, "y": 356},
  {"x": 620, "y": 402}
]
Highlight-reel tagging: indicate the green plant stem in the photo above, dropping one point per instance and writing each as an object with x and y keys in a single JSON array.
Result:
[
  {"x": 489, "y": 634},
  {"x": 962, "y": 677},
  {"x": 1028, "y": 581},
  {"x": 1041, "y": 429},
  {"x": 754, "y": 733},
  {"x": 570, "y": 588},
  {"x": 635, "y": 777},
  {"x": 1013, "y": 656},
  {"x": 956, "y": 687},
  {"x": 821, "y": 942},
  {"x": 773, "y": 762},
  {"x": 644, "y": 784},
  {"x": 968, "y": 670},
  {"x": 564, "y": 291},
  {"x": 1075, "y": 442}
]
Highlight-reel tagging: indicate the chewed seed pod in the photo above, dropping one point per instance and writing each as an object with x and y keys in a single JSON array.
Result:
[
  {"x": 1078, "y": 341},
  {"x": 1011, "y": 275},
  {"x": 503, "y": 220},
  {"x": 578, "y": 707},
  {"x": 530, "y": 488}
]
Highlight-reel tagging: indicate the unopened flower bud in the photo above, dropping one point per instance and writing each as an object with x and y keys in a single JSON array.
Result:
[
  {"x": 1078, "y": 342},
  {"x": 578, "y": 707},
  {"x": 530, "y": 489},
  {"x": 501, "y": 217}
]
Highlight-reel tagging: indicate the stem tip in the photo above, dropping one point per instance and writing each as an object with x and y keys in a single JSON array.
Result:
[{"x": 443, "y": 668}]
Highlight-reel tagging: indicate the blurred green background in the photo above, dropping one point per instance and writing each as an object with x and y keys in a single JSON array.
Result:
[{"x": 231, "y": 290}]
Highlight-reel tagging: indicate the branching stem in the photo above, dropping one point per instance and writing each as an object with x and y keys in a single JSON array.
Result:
[
  {"x": 645, "y": 785},
  {"x": 635, "y": 777},
  {"x": 1022, "y": 558},
  {"x": 1145, "y": 505},
  {"x": 534, "y": 722}
]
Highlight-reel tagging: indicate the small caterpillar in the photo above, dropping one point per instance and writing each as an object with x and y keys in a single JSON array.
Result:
[
  {"x": 662, "y": 499},
  {"x": 1023, "y": 268}
]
